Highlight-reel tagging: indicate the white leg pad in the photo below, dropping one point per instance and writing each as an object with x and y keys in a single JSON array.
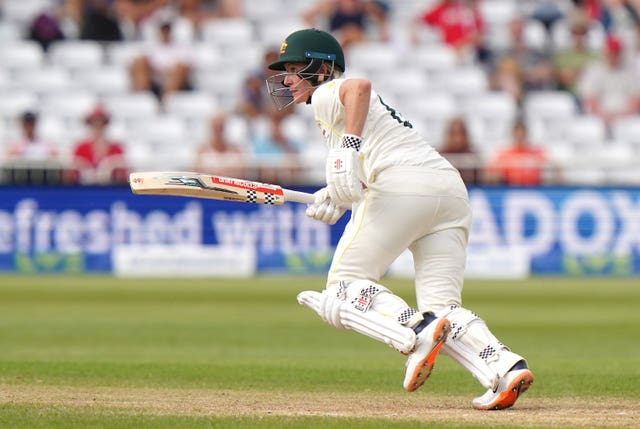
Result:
[
  {"x": 369, "y": 309},
  {"x": 472, "y": 345},
  {"x": 373, "y": 310}
]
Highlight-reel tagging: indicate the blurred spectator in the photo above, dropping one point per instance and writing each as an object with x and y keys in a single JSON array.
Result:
[
  {"x": 521, "y": 164},
  {"x": 275, "y": 151},
  {"x": 132, "y": 13},
  {"x": 461, "y": 26},
  {"x": 90, "y": 20},
  {"x": 269, "y": 143},
  {"x": 31, "y": 160},
  {"x": 97, "y": 159},
  {"x": 592, "y": 9},
  {"x": 548, "y": 12},
  {"x": 199, "y": 11},
  {"x": 568, "y": 64},
  {"x": 254, "y": 98},
  {"x": 634, "y": 54},
  {"x": 619, "y": 17},
  {"x": 609, "y": 87},
  {"x": 458, "y": 150},
  {"x": 30, "y": 146},
  {"x": 164, "y": 67},
  {"x": 218, "y": 155},
  {"x": 46, "y": 28},
  {"x": 520, "y": 68},
  {"x": 98, "y": 21},
  {"x": 348, "y": 19}
]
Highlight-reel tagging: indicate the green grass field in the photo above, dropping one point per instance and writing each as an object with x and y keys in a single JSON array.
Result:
[{"x": 79, "y": 352}]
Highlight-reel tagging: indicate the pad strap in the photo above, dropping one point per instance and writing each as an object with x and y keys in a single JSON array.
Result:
[
  {"x": 472, "y": 345},
  {"x": 368, "y": 308}
]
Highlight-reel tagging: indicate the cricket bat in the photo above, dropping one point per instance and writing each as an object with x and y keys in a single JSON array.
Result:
[{"x": 199, "y": 185}]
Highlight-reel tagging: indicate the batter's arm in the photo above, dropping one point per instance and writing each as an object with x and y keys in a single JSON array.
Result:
[{"x": 355, "y": 95}]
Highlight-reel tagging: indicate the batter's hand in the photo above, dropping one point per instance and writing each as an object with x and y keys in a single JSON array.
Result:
[
  {"x": 323, "y": 208},
  {"x": 343, "y": 183}
]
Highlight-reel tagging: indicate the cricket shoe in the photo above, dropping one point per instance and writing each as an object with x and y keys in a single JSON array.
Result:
[
  {"x": 420, "y": 362},
  {"x": 510, "y": 387}
]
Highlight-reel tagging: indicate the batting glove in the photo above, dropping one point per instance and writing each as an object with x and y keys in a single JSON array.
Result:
[
  {"x": 323, "y": 208},
  {"x": 343, "y": 183}
]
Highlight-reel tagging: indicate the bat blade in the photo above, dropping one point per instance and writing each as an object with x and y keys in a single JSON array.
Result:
[{"x": 199, "y": 185}]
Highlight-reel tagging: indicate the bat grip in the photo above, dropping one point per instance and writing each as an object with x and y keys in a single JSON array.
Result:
[{"x": 297, "y": 196}]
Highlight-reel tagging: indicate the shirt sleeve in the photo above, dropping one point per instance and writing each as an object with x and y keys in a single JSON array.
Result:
[{"x": 329, "y": 111}]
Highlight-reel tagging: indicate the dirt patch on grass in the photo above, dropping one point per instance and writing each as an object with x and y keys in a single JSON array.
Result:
[{"x": 529, "y": 411}]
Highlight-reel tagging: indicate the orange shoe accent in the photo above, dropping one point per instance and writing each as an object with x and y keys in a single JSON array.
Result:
[
  {"x": 423, "y": 369},
  {"x": 518, "y": 386}
]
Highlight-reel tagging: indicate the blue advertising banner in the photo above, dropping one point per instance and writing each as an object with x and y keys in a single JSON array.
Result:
[{"x": 75, "y": 229}]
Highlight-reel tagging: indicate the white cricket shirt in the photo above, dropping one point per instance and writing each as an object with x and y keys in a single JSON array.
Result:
[{"x": 388, "y": 139}]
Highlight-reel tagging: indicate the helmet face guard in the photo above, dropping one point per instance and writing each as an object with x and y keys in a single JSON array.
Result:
[{"x": 281, "y": 94}]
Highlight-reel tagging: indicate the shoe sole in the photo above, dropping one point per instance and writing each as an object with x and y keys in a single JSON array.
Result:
[
  {"x": 424, "y": 368},
  {"x": 506, "y": 399}
]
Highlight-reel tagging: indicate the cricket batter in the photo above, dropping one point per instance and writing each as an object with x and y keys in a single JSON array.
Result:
[{"x": 402, "y": 194}]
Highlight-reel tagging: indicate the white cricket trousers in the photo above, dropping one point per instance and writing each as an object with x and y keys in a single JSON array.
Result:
[{"x": 424, "y": 210}]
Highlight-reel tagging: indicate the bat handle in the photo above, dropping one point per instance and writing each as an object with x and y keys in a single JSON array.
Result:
[{"x": 297, "y": 196}]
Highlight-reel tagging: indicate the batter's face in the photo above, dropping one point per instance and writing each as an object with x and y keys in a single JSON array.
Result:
[{"x": 301, "y": 89}]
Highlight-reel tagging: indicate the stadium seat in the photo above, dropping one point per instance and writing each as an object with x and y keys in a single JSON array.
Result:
[
  {"x": 627, "y": 130},
  {"x": 585, "y": 132},
  {"x": 122, "y": 53},
  {"x": 13, "y": 103},
  {"x": 433, "y": 59},
  {"x": 373, "y": 56},
  {"x": 161, "y": 130},
  {"x": 76, "y": 54},
  {"x": 497, "y": 14},
  {"x": 22, "y": 12},
  {"x": 430, "y": 114},
  {"x": 462, "y": 81},
  {"x": 206, "y": 57},
  {"x": 45, "y": 80},
  {"x": 54, "y": 129},
  {"x": 165, "y": 157},
  {"x": 535, "y": 35},
  {"x": 223, "y": 84},
  {"x": 271, "y": 33},
  {"x": 132, "y": 107},
  {"x": 9, "y": 32},
  {"x": 193, "y": 107},
  {"x": 547, "y": 114},
  {"x": 261, "y": 12},
  {"x": 490, "y": 117},
  {"x": 402, "y": 84},
  {"x": 583, "y": 168},
  {"x": 5, "y": 81},
  {"x": 622, "y": 160},
  {"x": 104, "y": 80},
  {"x": 228, "y": 33},
  {"x": 21, "y": 55},
  {"x": 69, "y": 104}
]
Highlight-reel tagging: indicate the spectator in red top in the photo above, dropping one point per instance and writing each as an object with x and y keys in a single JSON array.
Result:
[
  {"x": 96, "y": 159},
  {"x": 460, "y": 24},
  {"x": 518, "y": 165}
]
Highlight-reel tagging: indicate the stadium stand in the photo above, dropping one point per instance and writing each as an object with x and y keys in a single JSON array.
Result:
[{"x": 423, "y": 76}]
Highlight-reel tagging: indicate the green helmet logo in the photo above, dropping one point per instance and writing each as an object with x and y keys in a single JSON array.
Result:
[{"x": 309, "y": 44}]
